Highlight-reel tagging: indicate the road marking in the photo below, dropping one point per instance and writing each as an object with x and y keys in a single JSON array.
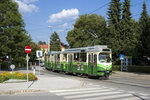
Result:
[
  {"x": 99, "y": 93},
  {"x": 91, "y": 94},
  {"x": 82, "y": 89},
  {"x": 129, "y": 98},
  {"x": 82, "y": 92},
  {"x": 111, "y": 97}
]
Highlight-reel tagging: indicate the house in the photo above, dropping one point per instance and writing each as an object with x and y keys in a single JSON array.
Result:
[{"x": 44, "y": 48}]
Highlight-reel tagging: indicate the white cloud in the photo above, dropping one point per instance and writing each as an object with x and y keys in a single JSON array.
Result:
[
  {"x": 60, "y": 31},
  {"x": 64, "y": 14},
  {"x": 26, "y": 7},
  {"x": 29, "y": 1},
  {"x": 64, "y": 25}
]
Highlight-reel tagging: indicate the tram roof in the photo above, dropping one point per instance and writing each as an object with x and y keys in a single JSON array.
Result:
[
  {"x": 97, "y": 48},
  {"x": 87, "y": 49}
]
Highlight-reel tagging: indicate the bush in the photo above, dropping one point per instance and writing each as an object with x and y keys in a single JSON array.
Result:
[
  {"x": 31, "y": 77},
  {"x": 116, "y": 67},
  {"x": 141, "y": 69},
  {"x": 4, "y": 66},
  {"x": 4, "y": 76},
  {"x": 16, "y": 75}
]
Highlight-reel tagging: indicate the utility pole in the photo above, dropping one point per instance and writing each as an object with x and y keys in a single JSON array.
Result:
[{"x": 49, "y": 39}]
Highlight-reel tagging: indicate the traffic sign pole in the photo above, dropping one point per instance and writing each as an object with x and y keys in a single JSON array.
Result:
[
  {"x": 121, "y": 64},
  {"x": 121, "y": 58},
  {"x": 27, "y": 50},
  {"x": 27, "y": 69}
]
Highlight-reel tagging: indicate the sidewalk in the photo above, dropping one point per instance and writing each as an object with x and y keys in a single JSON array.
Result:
[
  {"x": 131, "y": 75},
  {"x": 134, "y": 79},
  {"x": 44, "y": 83}
]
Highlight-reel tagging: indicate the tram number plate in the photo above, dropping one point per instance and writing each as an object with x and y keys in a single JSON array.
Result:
[{"x": 107, "y": 71}]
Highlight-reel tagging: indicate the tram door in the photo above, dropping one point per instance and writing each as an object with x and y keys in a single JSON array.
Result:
[
  {"x": 55, "y": 58},
  {"x": 48, "y": 61},
  {"x": 58, "y": 61},
  {"x": 92, "y": 63},
  {"x": 70, "y": 60}
]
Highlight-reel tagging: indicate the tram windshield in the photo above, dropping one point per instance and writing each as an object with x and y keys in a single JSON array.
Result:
[{"x": 104, "y": 58}]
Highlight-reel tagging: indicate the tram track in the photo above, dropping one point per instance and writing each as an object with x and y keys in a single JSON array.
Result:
[{"x": 113, "y": 82}]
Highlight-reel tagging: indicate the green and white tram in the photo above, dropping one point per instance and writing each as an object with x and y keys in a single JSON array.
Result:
[{"x": 92, "y": 61}]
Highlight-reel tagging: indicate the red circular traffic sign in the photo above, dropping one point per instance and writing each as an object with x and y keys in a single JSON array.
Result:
[{"x": 27, "y": 49}]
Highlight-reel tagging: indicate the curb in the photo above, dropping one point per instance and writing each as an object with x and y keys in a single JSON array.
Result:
[
  {"x": 10, "y": 92},
  {"x": 15, "y": 81}
]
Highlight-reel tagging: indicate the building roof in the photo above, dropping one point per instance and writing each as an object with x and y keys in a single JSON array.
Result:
[
  {"x": 64, "y": 45},
  {"x": 46, "y": 46},
  {"x": 43, "y": 46}
]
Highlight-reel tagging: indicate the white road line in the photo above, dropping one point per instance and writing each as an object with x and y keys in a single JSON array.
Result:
[
  {"x": 83, "y": 89},
  {"x": 83, "y": 92},
  {"x": 112, "y": 97},
  {"x": 129, "y": 98},
  {"x": 99, "y": 94},
  {"x": 91, "y": 94}
]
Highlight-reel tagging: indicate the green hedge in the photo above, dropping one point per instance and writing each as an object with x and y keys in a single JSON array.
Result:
[
  {"x": 140, "y": 69},
  {"x": 116, "y": 68},
  {"x": 4, "y": 66}
]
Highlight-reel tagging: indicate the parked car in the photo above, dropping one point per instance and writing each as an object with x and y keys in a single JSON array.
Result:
[{"x": 42, "y": 63}]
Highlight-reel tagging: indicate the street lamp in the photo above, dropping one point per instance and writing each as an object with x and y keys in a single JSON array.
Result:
[{"x": 49, "y": 39}]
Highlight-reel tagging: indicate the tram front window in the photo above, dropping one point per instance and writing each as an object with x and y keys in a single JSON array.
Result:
[{"x": 104, "y": 58}]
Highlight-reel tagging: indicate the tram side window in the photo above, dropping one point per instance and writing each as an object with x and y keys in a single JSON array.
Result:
[
  {"x": 45, "y": 58},
  {"x": 83, "y": 57},
  {"x": 76, "y": 57},
  {"x": 52, "y": 57},
  {"x": 64, "y": 57},
  {"x": 49, "y": 58},
  {"x": 58, "y": 57}
]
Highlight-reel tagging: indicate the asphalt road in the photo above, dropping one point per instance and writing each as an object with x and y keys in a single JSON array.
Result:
[{"x": 118, "y": 87}]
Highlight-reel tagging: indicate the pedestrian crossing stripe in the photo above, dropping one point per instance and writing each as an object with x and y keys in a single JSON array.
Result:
[
  {"x": 113, "y": 97},
  {"x": 69, "y": 90},
  {"x": 92, "y": 95},
  {"x": 81, "y": 92},
  {"x": 98, "y": 94}
]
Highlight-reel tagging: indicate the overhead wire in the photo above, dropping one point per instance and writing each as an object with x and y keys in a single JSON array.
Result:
[{"x": 55, "y": 25}]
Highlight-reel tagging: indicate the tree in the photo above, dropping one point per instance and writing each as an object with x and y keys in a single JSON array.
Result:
[
  {"x": 34, "y": 48},
  {"x": 84, "y": 29},
  {"x": 55, "y": 42},
  {"x": 41, "y": 42},
  {"x": 148, "y": 37},
  {"x": 144, "y": 33},
  {"x": 113, "y": 30},
  {"x": 13, "y": 36},
  {"x": 126, "y": 30}
]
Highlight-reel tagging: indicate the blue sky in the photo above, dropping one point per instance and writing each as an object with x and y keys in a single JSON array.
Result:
[{"x": 61, "y": 15}]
